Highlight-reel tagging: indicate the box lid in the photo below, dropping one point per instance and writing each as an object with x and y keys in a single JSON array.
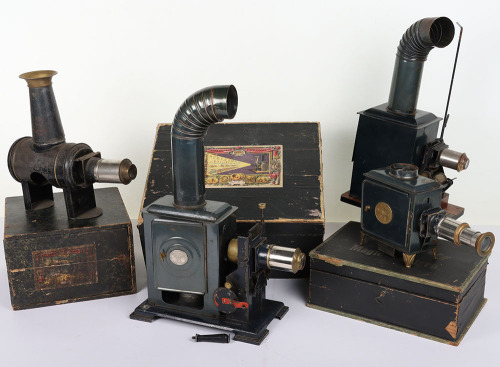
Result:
[
  {"x": 278, "y": 163},
  {"x": 32, "y": 222},
  {"x": 448, "y": 278}
]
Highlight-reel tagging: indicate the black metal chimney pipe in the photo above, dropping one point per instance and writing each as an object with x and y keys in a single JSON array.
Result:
[
  {"x": 413, "y": 49},
  {"x": 193, "y": 118},
  {"x": 46, "y": 125}
]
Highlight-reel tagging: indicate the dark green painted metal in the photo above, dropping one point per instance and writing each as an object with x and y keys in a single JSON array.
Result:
[
  {"x": 397, "y": 131},
  {"x": 384, "y": 138},
  {"x": 198, "y": 112},
  {"x": 405, "y": 86},
  {"x": 189, "y": 293},
  {"x": 413, "y": 49},
  {"x": 408, "y": 200}
]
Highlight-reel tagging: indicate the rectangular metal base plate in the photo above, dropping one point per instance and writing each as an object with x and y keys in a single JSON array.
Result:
[{"x": 253, "y": 333}]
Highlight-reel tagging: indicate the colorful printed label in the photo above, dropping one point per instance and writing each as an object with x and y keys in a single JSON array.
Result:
[
  {"x": 244, "y": 166},
  {"x": 65, "y": 267}
]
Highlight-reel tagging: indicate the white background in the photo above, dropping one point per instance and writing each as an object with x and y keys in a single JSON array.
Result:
[{"x": 125, "y": 66}]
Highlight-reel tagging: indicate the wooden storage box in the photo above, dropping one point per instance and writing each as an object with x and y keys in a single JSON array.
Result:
[
  {"x": 250, "y": 163},
  {"x": 437, "y": 299},
  {"x": 52, "y": 259}
]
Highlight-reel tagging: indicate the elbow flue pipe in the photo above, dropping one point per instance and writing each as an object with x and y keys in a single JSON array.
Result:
[
  {"x": 193, "y": 118},
  {"x": 413, "y": 49}
]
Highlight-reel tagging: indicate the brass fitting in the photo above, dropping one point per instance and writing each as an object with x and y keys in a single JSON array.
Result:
[{"x": 232, "y": 251}]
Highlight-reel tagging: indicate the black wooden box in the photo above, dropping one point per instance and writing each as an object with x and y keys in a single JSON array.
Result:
[
  {"x": 52, "y": 259},
  {"x": 437, "y": 299},
  {"x": 249, "y": 163}
]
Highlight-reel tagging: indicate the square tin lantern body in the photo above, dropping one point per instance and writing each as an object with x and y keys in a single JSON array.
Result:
[
  {"x": 191, "y": 277},
  {"x": 392, "y": 209},
  {"x": 185, "y": 260},
  {"x": 384, "y": 138}
]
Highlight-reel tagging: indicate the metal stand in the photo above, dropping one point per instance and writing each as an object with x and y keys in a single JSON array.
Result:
[{"x": 253, "y": 332}]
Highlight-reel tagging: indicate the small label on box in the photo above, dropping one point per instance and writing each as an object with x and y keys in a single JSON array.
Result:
[
  {"x": 65, "y": 267},
  {"x": 244, "y": 166}
]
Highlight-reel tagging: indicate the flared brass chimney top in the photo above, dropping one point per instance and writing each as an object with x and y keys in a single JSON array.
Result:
[{"x": 40, "y": 78}]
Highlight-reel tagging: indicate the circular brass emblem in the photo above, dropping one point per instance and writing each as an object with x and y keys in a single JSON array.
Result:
[{"x": 383, "y": 212}]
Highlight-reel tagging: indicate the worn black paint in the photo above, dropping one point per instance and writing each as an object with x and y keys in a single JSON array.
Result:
[
  {"x": 50, "y": 228},
  {"x": 45, "y": 159},
  {"x": 45, "y": 120},
  {"x": 384, "y": 138},
  {"x": 363, "y": 282},
  {"x": 408, "y": 200}
]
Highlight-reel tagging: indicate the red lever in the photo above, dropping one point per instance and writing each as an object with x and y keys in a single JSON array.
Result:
[{"x": 236, "y": 304}]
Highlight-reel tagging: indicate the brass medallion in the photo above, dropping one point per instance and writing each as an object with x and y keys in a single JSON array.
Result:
[{"x": 383, "y": 212}]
